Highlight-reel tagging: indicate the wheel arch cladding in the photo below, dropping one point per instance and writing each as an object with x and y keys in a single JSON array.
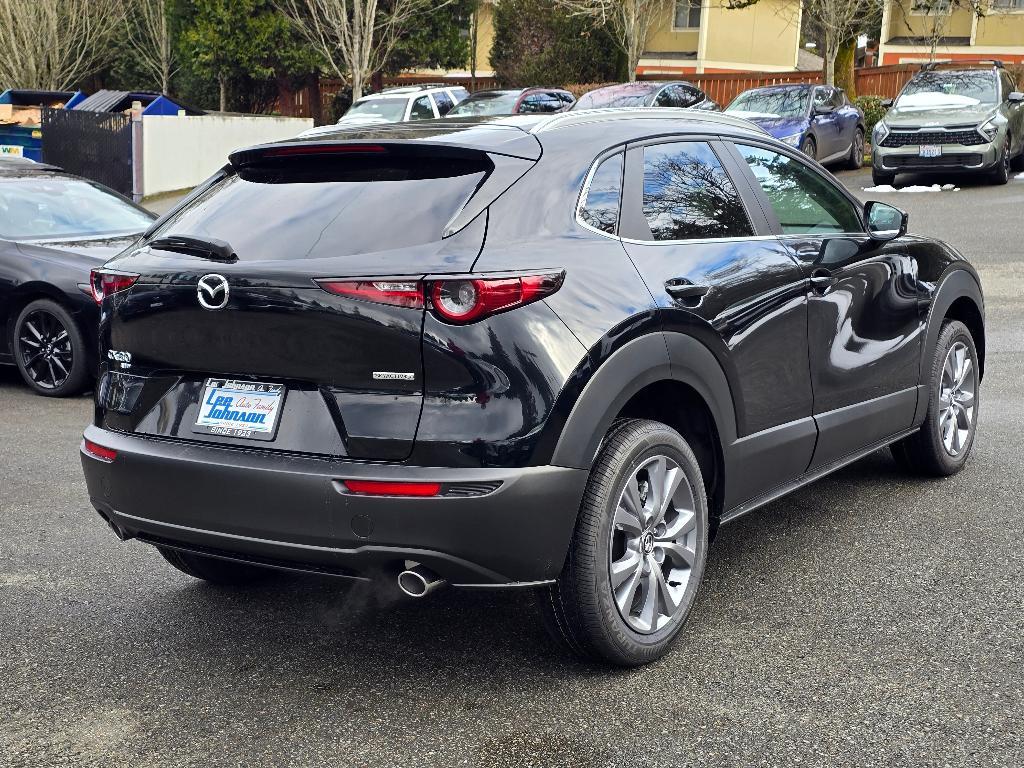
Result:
[
  {"x": 959, "y": 297},
  {"x": 657, "y": 365}
]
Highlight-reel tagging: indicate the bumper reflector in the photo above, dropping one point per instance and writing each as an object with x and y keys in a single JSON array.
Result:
[
  {"x": 386, "y": 488},
  {"x": 98, "y": 451}
]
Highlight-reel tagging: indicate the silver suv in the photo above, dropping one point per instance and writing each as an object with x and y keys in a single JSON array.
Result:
[
  {"x": 400, "y": 104},
  {"x": 952, "y": 118}
]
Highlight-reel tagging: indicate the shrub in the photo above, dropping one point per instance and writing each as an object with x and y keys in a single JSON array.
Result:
[
  {"x": 873, "y": 111},
  {"x": 537, "y": 43}
]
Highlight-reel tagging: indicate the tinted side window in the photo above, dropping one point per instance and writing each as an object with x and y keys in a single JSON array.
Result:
[
  {"x": 601, "y": 208},
  {"x": 540, "y": 102},
  {"x": 444, "y": 102},
  {"x": 804, "y": 201},
  {"x": 421, "y": 109},
  {"x": 688, "y": 195},
  {"x": 682, "y": 96}
]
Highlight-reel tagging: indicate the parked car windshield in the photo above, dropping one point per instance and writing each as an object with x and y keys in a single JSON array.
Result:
[
  {"x": 949, "y": 89},
  {"x": 627, "y": 95},
  {"x": 497, "y": 103},
  {"x": 392, "y": 110},
  {"x": 784, "y": 102},
  {"x": 60, "y": 208}
]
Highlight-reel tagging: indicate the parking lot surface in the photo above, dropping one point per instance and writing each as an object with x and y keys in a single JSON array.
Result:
[{"x": 869, "y": 619}]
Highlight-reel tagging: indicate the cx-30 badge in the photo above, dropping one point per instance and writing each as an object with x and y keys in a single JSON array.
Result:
[{"x": 213, "y": 291}]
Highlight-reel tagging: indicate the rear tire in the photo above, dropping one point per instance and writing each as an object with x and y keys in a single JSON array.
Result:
[
  {"x": 879, "y": 178},
  {"x": 212, "y": 569},
  {"x": 1017, "y": 163},
  {"x": 856, "y": 158},
  {"x": 943, "y": 443},
  {"x": 630, "y": 580}
]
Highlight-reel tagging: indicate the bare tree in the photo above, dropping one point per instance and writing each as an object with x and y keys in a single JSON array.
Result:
[
  {"x": 53, "y": 44},
  {"x": 355, "y": 37},
  {"x": 630, "y": 21},
  {"x": 149, "y": 35}
]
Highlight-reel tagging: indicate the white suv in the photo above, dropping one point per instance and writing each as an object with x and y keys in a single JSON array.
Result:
[{"x": 397, "y": 105}]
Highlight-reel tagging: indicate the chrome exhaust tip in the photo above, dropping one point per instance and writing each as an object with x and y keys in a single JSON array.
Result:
[{"x": 419, "y": 581}]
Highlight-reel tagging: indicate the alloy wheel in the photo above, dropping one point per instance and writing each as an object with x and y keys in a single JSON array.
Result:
[
  {"x": 858, "y": 147},
  {"x": 653, "y": 544},
  {"x": 956, "y": 398},
  {"x": 44, "y": 345}
]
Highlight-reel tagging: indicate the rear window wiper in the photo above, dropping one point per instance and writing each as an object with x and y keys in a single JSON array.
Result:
[{"x": 217, "y": 250}]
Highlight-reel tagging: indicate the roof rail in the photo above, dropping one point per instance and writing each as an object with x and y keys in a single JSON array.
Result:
[
  {"x": 415, "y": 86},
  {"x": 958, "y": 63},
  {"x": 581, "y": 116}
]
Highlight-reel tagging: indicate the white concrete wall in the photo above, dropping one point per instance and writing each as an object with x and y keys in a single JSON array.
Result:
[{"x": 180, "y": 152}]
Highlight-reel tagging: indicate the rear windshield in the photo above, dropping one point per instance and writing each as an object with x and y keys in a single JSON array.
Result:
[
  {"x": 628, "y": 95},
  {"x": 487, "y": 104},
  {"x": 309, "y": 208},
  {"x": 59, "y": 208}
]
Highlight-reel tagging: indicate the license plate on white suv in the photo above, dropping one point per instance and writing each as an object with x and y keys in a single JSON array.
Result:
[
  {"x": 929, "y": 150},
  {"x": 246, "y": 409}
]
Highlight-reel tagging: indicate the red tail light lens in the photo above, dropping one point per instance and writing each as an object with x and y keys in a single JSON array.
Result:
[
  {"x": 384, "y": 488},
  {"x": 99, "y": 451},
  {"x": 463, "y": 301},
  {"x": 398, "y": 293},
  {"x": 459, "y": 300},
  {"x": 105, "y": 283}
]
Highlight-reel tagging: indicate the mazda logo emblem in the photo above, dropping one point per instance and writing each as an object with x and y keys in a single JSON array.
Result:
[{"x": 213, "y": 291}]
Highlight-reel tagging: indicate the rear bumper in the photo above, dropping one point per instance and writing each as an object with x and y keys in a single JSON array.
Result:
[{"x": 292, "y": 512}]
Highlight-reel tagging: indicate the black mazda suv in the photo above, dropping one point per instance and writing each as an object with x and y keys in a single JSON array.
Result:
[{"x": 551, "y": 352}]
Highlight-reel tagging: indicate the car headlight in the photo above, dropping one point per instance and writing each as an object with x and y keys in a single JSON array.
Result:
[
  {"x": 991, "y": 127},
  {"x": 880, "y": 132},
  {"x": 793, "y": 140}
]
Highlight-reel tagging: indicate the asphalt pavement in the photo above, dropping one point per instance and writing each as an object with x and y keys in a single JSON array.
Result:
[{"x": 869, "y": 619}]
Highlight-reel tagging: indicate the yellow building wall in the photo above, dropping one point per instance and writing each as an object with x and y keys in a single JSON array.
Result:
[
  {"x": 903, "y": 23},
  {"x": 665, "y": 39},
  {"x": 766, "y": 33},
  {"x": 484, "y": 37},
  {"x": 996, "y": 28}
]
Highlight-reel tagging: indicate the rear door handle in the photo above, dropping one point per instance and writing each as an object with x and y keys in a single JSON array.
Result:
[
  {"x": 683, "y": 290},
  {"x": 822, "y": 280}
]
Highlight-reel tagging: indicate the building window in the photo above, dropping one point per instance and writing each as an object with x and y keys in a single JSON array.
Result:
[
  {"x": 1008, "y": 5},
  {"x": 687, "y": 14},
  {"x": 931, "y": 7}
]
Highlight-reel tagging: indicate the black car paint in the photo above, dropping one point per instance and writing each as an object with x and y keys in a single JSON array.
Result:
[
  {"x": 55, "y": 270},
  {"x": 523, "y": 398}
]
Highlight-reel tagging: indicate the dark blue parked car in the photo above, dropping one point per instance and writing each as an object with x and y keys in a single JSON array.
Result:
[{"x": 818, "y": 119}]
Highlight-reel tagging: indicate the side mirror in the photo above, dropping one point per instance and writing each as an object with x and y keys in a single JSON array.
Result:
[
  {"x": 887, "y": 103},
  {"x": 885, "y": 222},
  {"x": 1016, "y": 97},
  {"x": 824, "y": 109}
]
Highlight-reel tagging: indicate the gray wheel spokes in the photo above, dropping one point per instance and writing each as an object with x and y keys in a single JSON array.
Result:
[
  {"x": 956, "y": 399},
  {"x": 45, "y": 350},
  {"x": 653, "y": 544}
]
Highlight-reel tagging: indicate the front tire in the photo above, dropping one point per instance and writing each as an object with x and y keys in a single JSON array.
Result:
[
  {"x": 856, "y": 158},
  {"x": 878, "y": 178},
  {"x": 810, "y": 148},
  {"x": 49, "y": 350},
  {"x": 944, "y": 441},
  {"x": 212, "y": 569},
  {"x": 637, "y": 555},
  {"x": 1001, "y": 173}
]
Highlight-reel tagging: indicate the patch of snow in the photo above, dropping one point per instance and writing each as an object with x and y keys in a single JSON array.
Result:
[{"x": 887, "y": 188}]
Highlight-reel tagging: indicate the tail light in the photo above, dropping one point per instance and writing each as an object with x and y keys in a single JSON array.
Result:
[
  {"x": 385, "y": 488},
  {"x": 457, "y": 300},
  {"x": 98, "y": 451},
  {"x": 106, "y": 283}
]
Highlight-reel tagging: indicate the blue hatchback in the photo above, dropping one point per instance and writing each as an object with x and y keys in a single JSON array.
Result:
[{"x": 816, "y": 119}]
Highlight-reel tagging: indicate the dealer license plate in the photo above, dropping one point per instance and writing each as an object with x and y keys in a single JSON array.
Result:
[
  {"x": 246, "y": 409},
  {"x": 929, "y": 150}
]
